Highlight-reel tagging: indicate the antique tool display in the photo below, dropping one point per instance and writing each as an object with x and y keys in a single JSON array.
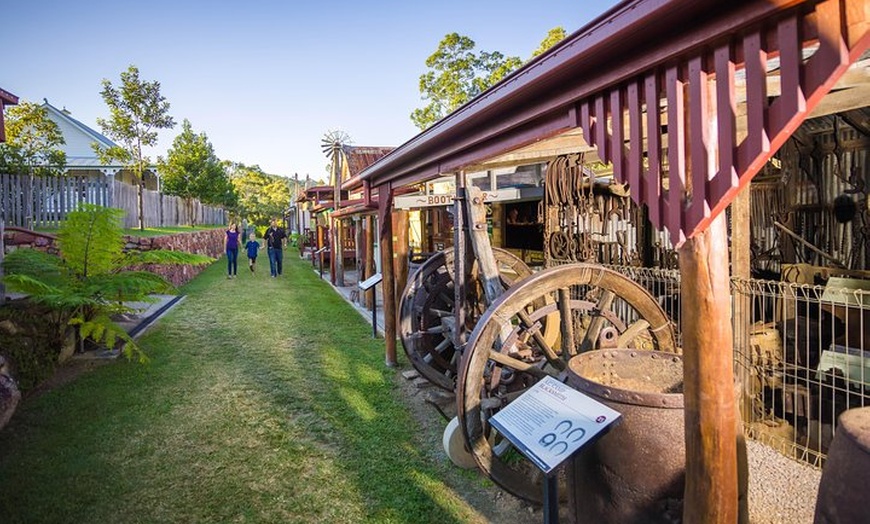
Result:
[{"x": 587, "y": 219}]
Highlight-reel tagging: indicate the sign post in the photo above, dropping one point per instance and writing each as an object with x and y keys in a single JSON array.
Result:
[
  {"x": 364, "y": 286},
  {"x": 548, "y": 424}
]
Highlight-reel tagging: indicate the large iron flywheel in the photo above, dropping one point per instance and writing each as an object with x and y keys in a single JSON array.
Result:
[{"x": 594, "y": 307}]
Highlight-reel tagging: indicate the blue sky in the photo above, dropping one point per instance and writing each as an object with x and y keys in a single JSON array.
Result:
[{"x": 263, "y": 79}]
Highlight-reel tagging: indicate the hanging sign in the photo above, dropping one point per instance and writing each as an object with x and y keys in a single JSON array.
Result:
[
  {"x": 551, "y": 421},
  {"x": 446, "y": 199}
]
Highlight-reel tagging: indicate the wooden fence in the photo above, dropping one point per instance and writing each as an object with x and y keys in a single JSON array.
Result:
[{"x": 44, "y": 202}]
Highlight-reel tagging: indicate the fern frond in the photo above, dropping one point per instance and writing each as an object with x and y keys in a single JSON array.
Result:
[
  {"x": 101, "y": 329},
  {"x": 129, "y": 285},
  {"x": 34, "y": 263},
  {"x": 30, "y": 285}
]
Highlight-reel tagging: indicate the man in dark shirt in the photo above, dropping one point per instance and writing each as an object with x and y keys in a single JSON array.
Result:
[{"x": 275, "y": 247}]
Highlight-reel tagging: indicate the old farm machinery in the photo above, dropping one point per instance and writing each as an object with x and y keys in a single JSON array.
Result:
[{"x": 522, "y": 326}]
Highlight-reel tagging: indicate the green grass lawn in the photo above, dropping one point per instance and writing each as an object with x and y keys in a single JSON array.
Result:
[{"x": 265, "y": 400}]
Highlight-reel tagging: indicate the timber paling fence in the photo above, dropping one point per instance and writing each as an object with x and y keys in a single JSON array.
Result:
[{"x": 43, "y": 202}]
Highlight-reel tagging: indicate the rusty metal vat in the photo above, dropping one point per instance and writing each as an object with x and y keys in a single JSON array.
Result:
[
  {"x": 843, "y": 489},
  {"x": 635, "y": 473}
]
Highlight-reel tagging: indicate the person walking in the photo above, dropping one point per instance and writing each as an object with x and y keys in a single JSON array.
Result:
[
  {"x": 275, "y": 247},
  {"x": 252, "y": 247},
  {"x": 233, "y": 243}
]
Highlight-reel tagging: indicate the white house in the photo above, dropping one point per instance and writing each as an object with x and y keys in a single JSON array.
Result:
[{"x": 81, "y": 160}]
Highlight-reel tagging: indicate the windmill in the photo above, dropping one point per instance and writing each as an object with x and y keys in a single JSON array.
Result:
[{"x": 332, "y": 144}]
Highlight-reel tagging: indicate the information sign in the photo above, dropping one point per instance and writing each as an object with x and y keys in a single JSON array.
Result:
[
  {"x": 551, "y": 421},
  {"x": 373, "y": 280}
]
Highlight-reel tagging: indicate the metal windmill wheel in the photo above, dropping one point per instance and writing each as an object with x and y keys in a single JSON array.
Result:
[{"x": 595, "y": 307}]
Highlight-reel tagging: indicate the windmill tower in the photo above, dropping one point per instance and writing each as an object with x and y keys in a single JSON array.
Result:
[{"x": 332, "y": 144}]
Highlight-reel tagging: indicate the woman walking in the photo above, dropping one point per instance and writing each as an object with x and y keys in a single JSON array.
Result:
[{"x": 232, "y": 251}]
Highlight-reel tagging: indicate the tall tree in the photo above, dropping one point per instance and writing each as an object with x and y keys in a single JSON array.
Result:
[
  {"x": 193, "y": 171},
  {"x": 261, "y": 196},
  {"x": 554, "y": 36},
  {"x": 31, "y": 148},
  {"x": 138, "y": 111},
  {"x": 456, "y": 75}
]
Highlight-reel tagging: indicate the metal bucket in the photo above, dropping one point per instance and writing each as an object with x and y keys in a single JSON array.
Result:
[{"x": 635, "y": 473}]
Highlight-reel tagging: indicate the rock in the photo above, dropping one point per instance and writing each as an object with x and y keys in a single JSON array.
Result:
[
  {"x": 68, "y": 348},
  {"x": 9, "y": 327},
  {"x": 9, "y": 394}
]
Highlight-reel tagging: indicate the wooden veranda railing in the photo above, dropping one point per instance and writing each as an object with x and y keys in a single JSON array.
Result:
[{"x": 674, "y": 132}]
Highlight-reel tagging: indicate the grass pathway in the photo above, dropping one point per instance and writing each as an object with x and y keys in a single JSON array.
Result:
[{"x": 266, "y": 400}]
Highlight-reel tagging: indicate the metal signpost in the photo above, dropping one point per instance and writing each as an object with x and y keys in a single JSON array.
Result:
[
  {"x": 364, "y": 286},
  {"x": 548, "y": 424}
]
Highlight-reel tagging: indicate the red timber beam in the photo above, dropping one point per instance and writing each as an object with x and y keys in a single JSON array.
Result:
[{"x": 673, "y": 132}]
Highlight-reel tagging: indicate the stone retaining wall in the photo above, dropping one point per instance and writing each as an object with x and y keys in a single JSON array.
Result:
[{"x": 209, "y": 242}]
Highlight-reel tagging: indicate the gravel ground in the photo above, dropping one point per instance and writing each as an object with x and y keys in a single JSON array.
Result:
[{"x": 781, "y": 490}]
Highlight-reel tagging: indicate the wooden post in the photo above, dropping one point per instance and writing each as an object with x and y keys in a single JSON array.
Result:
[
  {"x": 400, "y": 257},
  {"x": 487, "y": 265},
  {"x": 369, "y": 269},
  {"x": 337, "y": 259},
  {"x": 2, "y": 259},
  {"x": 740, "y": 268},
  {"x": 385, "y": 206},
  {"x": 321, "y": 242},
  {"x": 461, "y": 263},
  {"x": 711, "y": 493}
]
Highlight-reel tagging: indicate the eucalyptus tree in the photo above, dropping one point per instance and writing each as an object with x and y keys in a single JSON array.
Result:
[
  {"x": 191, "y": 171},
  {"x": 31, "y": 148},
  {"x": 457, "y": 73},
  {"x": 554, "y": 36},
  {"x": 261, "y": 196},
  {"x": 138, "y": 111}
]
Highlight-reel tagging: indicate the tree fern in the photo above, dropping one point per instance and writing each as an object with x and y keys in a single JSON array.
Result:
[
  {"x": 91, "y": 240},
  {"x": 91, "y": 279}
]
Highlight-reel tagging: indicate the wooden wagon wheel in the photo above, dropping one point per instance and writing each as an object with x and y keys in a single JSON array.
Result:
[
  {"x": 595, "y": 307},
  {"x": 426, "y": 322}
]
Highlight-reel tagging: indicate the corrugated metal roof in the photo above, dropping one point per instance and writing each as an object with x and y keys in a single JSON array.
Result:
[{"x": 361, "y": 157}]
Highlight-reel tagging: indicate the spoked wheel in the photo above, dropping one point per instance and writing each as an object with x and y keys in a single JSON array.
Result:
[
  {"x": 426, "y": 321},
  {"x": 595, "y": 308}
]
